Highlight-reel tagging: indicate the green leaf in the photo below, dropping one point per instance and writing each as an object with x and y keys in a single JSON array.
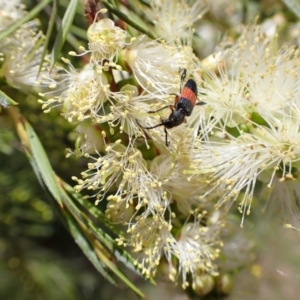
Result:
[
  {"x": 96, "y": 244},
  {"x": 102, "y": 236},
  {"x": 294, "y": 6},
  {"x": 94, "y": 233},
  {"x": 6, "y": 101},
  {"x": 73, "y": 41},
  {"x": 128, "y": 20},
  {"x": 42, "y": 164},
  {"x": 81, "y": 33},
  {"x": 85, "y": 246},
  {"x": 49, "y": 31},
  {"x": 63, "y": 31},
  {"x": 29, "y": 16}
]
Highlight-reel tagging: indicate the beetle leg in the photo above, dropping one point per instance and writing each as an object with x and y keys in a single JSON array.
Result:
[
  {"x": 200, "y": 103},
  {"x": 154, "y": 111},
  {"x": 166, "y": 134}
]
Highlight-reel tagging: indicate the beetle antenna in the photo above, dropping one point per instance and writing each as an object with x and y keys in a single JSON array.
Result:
[
  {"x": 166, "y": 135},
  {"x": 183, "y": 75},
  {"x": 160, "y": 124}
]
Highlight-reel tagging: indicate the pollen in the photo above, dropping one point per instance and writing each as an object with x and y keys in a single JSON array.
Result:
[{"x": 105, "y": 40}]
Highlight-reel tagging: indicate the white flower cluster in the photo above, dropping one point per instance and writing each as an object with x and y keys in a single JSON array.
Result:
[
  {"x": 143, "y": 193},
  {"x": 173, "y": 198},
  {"x": 21, "y": 52},
  {"x": 10, "y": 12},
  {"x": 251, "y": 127}
]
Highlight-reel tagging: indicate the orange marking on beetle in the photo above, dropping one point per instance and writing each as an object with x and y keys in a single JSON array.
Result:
[{"x": 189, "y": 94}]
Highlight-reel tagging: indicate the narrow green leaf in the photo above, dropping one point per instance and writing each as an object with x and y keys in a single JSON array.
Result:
[
  {"x": 81, "y": 33},
  {"x": 63, "y": 31},
  {"x": 294, "y": 6},
  {"x": 73, "y": 41},
  {"x": 86, "y": 247},
  {"x": 114, "y": 268},
  {"x": 120, "y": 253},
  {"x": 49, "y": 31},
  {"x": 103, "y": 237},
  {"x": 6, "y": 101},
  {"x": 29, "y": 16},
  {"x": 128, "y": 20},
  {"x": 94, "y": 211},
  {"x": 42, "y": 163}
]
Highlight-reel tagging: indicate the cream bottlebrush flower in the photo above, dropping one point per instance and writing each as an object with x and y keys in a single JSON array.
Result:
[
  {"x": 148, "y": 237},
  {"x": 283, "y": 198},
  {"x": 192, "y": 252},
  {"x": 90, "y": 138},
  {"x": 156, "y": 65},
  {"x": 196, "y": 249},
  {"x": 127, "y": 107},
  {"x": 119, "y": 212},
  {"x": 26, "y": 33},
  {"x": 271, "y": 75},
  {"x": 82, "y": 94},
  {"x": 253, "y": 78},
  {"x": 235, "y": 166},
  {"x": 173, "y": 20},
  {"x": 139, "y": 198},
  {"x": 255, "y": 90},
  {"x": 172, "y": 171},
  {"x": 226, "y": 98},
  {"x": 225, "y": 87},
  {"x": 10, "y": 12},
  {"x": 105, "y": 40},
  {"x": 22, "y": 57},
  {"x": 123, "y": 171}
]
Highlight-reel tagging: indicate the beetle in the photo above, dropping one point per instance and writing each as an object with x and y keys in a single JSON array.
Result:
[{"x": 183, "y": 106}]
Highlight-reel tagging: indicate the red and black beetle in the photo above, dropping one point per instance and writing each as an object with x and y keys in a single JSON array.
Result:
[{"x": 183, "y": 106}]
